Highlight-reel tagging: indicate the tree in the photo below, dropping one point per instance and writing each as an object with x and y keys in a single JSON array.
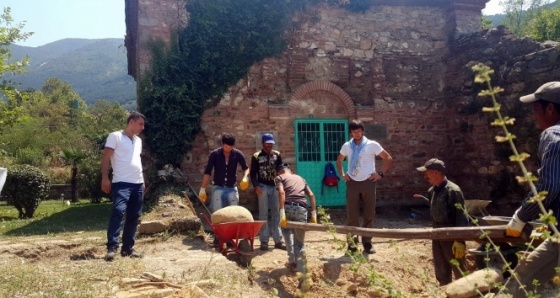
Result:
[
  {"x": 73, "y": 157},
  {"x": 10, "y": 32},
  {"x": 519, "y": 13},
  {"x": 545, "y": 25}
]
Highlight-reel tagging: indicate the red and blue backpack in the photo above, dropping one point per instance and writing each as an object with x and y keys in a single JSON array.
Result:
[{"x": 330, "y": 178}]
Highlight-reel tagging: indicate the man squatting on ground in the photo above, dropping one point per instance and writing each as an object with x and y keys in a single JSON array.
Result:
[
  {"x": 442, "y": 197},
  {"x": 541, "y": 263},
  {"x": 292, "y": 189},
  {"x": 361, "y": 179},
  {"x": 122, "y": 150},
  {"x": 263, "y": 171},
  {"x": 223, "y": 161}
]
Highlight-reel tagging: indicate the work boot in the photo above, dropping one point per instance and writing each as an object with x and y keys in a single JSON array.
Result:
[
  {"x": 280, "y": 245},
  {"x": 264, "y": 246},
  {"x": 368, "y": 248},
  {"x": 111, "y": 254},
  {"x": 131, "y": 253}
]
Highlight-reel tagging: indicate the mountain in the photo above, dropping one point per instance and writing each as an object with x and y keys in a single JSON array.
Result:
[
  {"x": 498, "y": 19},
  {"x": 95, "y": 68}
]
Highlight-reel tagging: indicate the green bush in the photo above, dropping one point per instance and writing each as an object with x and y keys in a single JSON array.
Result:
[
  {"x": 89, "y": 179},
  {"x": 30, "y": 156},
  {"x": 25, "y": 187}
]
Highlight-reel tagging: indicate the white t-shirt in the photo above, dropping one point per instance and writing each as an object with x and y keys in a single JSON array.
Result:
[
  {"x": 126, "y": 163},
  {"x": 366, "y": 161}
]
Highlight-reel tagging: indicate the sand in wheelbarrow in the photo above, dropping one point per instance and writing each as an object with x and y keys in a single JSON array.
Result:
[{"x": 231, "y": 214}]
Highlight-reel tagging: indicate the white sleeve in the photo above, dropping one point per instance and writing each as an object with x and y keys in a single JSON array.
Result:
[{"x": 111, "y": 141}]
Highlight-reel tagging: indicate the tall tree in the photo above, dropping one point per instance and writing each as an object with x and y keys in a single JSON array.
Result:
[{"x": 518, "y": 13}]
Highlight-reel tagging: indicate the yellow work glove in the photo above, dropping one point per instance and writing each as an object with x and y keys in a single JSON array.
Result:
[
  {"x": 202, "y": 195},
  {"x": 459, "y": 250},
  {"x": 314, "y": 216},
  {"x": 283, "y": 220},
  {"x": 515, "y": 226},
  {"x": 244, "y": 183}
]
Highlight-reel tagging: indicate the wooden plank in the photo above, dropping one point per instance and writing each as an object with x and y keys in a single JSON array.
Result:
[{"x": 495, "y": 232}]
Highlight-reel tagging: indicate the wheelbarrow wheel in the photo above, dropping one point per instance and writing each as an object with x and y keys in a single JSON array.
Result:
[{"x": 245, "y": 253}]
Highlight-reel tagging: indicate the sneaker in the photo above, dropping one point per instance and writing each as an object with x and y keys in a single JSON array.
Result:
[
  {"x": 131, "y": 253},
  {"x": 280, "y": 245},
  {"x": 264, "y": 246},
  {"x": 351, "y": 248},
  {"x": 368, "y": 248},
  {"x": 111, "y": 254}
]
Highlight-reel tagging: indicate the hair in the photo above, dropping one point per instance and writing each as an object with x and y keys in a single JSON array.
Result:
[
  {"x": 135, "y": 116},
  {"x": 228, "y": 139},
  {"x": 356, "y": 124},
  {"x": 544, "y": 104}
]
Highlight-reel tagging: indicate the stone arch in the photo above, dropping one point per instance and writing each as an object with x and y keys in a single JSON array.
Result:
[{"x": 304, "y": 90}]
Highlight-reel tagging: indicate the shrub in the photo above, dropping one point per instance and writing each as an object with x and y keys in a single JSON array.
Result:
[
  {"x": 30, "y": 156},
  {"x": 89, "y": 179},
  {"x": 25, "y": 187}
]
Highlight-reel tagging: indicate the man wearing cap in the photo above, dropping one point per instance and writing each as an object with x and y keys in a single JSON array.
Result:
[
  {"x": 541, "y": 263},
  {"x": 361, "y": 178},
  {"x": 443, "y": 197},
  {"x": 263, "y": 172},
  {"x": 292, "y": 189}
]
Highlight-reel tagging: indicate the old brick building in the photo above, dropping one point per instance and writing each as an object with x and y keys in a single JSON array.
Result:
[{"x": 400, "y": 67}]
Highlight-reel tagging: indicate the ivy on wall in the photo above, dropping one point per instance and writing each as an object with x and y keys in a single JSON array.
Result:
[{"x": 222, "y": 40}]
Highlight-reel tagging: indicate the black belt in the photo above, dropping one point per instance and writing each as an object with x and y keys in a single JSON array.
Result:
[
  {"x": 304, "y": 205},
  {"x": 224, "y": 185}
]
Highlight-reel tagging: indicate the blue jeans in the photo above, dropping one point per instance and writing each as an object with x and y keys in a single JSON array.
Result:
[
  {"x": 269, "y": 200},
  {"x": 223, "y": 197},
  {"x": 295, "y": 246},
  {"x": 128, "y": 199}
]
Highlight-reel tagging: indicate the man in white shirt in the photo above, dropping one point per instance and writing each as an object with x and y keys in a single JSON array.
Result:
[
  {"x": 361, "y": 179},
  {"x": 122, "y": 150}
]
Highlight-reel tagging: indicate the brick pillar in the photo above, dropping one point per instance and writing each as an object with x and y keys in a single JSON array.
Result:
[{"x": 465, "y": 16}]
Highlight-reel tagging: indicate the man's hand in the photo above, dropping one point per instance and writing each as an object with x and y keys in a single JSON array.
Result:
[
  {"x": 314, "y": 216},
  {"x": 283, "y": 220},
  {"x": 515, "y": 226},
  {"x": 202, "y": 195},
  {"x": 244, "y": 183},
  {"x": 106, "y": 185},
  {"x": 459, "y": 250},
  {"x": 258, "y": 191}
]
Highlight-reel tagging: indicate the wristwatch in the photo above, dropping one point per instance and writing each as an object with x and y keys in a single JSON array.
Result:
[{"x": 380, "y": 174}]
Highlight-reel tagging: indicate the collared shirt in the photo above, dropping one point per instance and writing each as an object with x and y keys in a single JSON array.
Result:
[
  {"x": 225, "y": 173},
  {"x": 366, "y": 162},
  {"x": 442, "y": 205},
  {"x": 549, "y": 176},
  {"x": 263, "y": 167},
  {"x": 125, "y": 161}
]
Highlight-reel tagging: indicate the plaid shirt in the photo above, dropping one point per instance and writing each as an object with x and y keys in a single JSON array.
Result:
[{"x": 549, "y": 176}]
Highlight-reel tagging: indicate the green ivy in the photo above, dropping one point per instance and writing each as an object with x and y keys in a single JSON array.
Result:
[{"x": 222, "y": 40}]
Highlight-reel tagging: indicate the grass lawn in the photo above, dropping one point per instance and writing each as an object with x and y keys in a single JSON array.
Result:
[{"x": 53, "y": 217}]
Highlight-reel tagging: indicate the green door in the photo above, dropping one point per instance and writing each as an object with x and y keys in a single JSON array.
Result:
[{"x": 318, "y": 141}]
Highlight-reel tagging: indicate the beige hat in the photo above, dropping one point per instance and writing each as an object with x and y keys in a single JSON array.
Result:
[
  {"x": 549, "y": 92},
  {"x": 433, "y": 164}
]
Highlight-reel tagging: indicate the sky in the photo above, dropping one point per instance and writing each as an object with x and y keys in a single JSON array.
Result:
[{"x": 52, "y": 20}]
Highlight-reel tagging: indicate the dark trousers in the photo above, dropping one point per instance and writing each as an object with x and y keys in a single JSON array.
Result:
[
  {"x": 443, "y": 254},
  {"x": 360, "y": 195},
  {"x": 128, "y": 199}
]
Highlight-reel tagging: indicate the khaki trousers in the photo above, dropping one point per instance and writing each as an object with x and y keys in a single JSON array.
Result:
[{"x": 360, "y": 200}]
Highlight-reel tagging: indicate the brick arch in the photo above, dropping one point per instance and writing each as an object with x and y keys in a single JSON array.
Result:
[{"x": 302, "y": 91}]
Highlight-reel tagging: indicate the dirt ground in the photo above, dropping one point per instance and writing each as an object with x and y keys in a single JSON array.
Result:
[{"x": 190, "y": 267}]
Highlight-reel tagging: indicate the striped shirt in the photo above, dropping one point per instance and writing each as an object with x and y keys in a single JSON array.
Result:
[{"x": 549, "y": 176}]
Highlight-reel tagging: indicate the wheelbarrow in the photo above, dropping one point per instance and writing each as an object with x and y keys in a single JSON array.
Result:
[{"x": 237, "y": 237}]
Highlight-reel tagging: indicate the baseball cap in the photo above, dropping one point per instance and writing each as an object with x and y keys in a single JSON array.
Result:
[
  {"x": 549, "y": 91},
  {"x": 280, "y": 167},
  {"x": 433, "y": 164},
  {"x": 268, "y": 138}
]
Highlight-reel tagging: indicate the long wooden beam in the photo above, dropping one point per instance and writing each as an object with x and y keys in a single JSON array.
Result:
[{"x": 495, "y": 232}]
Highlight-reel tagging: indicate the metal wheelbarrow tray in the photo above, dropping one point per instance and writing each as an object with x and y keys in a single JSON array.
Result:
[{"x": 240, "y": 236}]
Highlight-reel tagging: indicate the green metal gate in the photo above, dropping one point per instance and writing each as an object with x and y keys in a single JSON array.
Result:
[{"x": 318, "y": 141}]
